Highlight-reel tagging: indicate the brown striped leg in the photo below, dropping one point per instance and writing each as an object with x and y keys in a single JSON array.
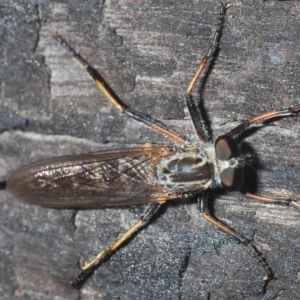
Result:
[
  {"x": 193, "y": 110},
  {"x": 112, "y": 97},
  {"x": 285, "y": 112},
  {"x": 207, "y": 215},
  {"x": 89, "y": 267},
  {"x": 285, "y": 201}
]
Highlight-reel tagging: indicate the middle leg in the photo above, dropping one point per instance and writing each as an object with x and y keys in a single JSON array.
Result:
[
  {"x": 203, "y": 207},
  {"x": 193, "y": 110}
]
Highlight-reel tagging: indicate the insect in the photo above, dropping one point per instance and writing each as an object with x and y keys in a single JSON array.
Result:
[{"x": 151, "y": 174}]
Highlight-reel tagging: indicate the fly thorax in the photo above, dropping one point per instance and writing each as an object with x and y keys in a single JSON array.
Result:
[{"x": 189, "y": 171}]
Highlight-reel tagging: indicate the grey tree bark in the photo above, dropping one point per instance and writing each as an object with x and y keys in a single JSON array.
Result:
[{"x": 148, "y": 51}]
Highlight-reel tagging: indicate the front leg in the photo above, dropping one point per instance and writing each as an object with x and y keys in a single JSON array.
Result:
[{"x": 285, "y": 112}]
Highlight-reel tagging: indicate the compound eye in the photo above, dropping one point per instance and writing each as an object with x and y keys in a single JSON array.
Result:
[
  {"x": 226, "y": 148},
  {"x": 232, "y": 178}
]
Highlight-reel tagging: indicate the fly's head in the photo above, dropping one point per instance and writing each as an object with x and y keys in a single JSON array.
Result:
[{"x": 230, "y": 163}]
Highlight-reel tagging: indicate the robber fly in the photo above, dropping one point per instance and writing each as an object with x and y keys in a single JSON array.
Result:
[{"x": 150, "y": 174}]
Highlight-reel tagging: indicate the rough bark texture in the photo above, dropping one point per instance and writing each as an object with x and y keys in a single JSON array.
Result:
[{"x": 148, "y": 51}]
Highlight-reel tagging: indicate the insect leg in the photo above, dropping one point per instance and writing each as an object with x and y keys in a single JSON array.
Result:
[
  {"x": 285, "y": 201},
  {"x": 285, "y": 112},
  {"x": 193, "y": 110},
  {"x": 113, "y": 98},
  {"x": 202, "y": 200},
  {"x": 89, "y": 267}
]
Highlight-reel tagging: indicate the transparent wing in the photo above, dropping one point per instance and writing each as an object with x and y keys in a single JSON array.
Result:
[{"x": 100, "y": 179}]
